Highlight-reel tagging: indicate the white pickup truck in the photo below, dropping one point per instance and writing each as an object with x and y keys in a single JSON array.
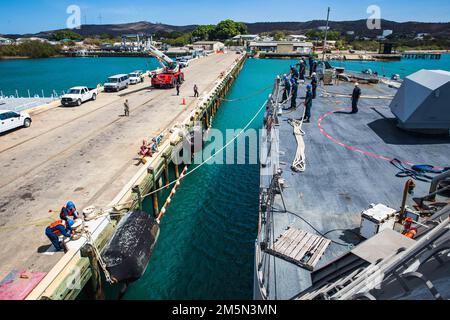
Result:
[{"x": 78, "y": 95}]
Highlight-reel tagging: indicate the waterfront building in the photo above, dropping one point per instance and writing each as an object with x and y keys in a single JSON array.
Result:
[{"x": 209, "y": 45}]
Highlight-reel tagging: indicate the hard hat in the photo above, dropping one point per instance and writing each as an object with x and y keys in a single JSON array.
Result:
[
  {"x": 309, "y": 87},
  {"x": 356, "y": 84},
  {"x": 314, "y": 74},
  {"x": 70, "y": 222},
  {"x": 70, "y": 204}
]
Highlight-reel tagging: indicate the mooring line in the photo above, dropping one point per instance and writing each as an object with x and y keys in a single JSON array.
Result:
[{"x": 200, "y": 165}]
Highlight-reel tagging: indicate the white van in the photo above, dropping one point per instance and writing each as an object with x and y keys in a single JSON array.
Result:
[
  {"x": 10, "y": 120},
  {"x": 117, "y": 83}
]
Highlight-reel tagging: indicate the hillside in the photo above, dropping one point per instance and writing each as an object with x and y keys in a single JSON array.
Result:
[{"x": 359, "y": 26}]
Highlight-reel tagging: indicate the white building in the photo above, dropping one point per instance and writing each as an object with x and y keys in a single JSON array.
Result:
[
  {"x": 209, "y": 45},
  {"x": 286, "y": 47},
  {"x": 21, "y": 40},
  {"x": 246, "y": 37},
  {"x": 5, "y": 41},
  {"x": 296, "y": 37}
]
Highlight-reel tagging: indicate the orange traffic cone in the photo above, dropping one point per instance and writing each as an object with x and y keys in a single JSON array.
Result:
[{"x": 184, "y": 102}]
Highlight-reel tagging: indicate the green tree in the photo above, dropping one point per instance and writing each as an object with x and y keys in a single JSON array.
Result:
[
  {"x": 228, "y": 28},
  {"x": 278, "y": 35},
  {"x": 320, "y": 35},
  {"x": 180, "y": 41},
  {"x": 204, "y": 32},
  {"x": 32, "y": 49},
  {"x": 65, "y": 34}
]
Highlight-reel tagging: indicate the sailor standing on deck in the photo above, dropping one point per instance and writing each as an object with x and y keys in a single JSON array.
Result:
[
  {"x": 308, "y": 104},
  {"x": 314, "y": 84},
  {"x": 302, "y": 69},
  {"x": 294, "y": 92},
  {"x": 355, "y": 98},
  {"x": 287, "y": 87}
]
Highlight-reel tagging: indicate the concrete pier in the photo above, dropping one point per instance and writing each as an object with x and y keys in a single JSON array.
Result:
[{"x": 88, "y": 154}]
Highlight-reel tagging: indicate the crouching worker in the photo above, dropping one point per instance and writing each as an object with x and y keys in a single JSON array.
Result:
[
  {"x": 59, "y": 228},
  {"x": 146, "y": 149},
  {"x": 69, "y": 211}
]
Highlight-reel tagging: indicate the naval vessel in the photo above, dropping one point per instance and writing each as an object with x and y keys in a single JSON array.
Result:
[{"x": 356, "y": 206}]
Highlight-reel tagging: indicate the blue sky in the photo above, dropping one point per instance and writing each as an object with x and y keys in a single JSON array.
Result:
[{"x": 23, "y": 16}]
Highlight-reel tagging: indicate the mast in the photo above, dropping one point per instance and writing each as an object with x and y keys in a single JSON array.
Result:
[{"x": 326, "y": 35}]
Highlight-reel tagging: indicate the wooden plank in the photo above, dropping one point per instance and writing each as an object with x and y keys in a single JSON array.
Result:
[
  {"x": 305, "y": 248},
  {"x": 312, "y": 250},
  {"x": 300, "y": 246},
  {"x": 309, "y": 248},
  {"x": 288, "y": 238},
  {"x": 279, "y": 241},
  {"x": 284, "y": 238},
  {"x": 319, "y": 253},
  {"x": 298, "y": 237}
]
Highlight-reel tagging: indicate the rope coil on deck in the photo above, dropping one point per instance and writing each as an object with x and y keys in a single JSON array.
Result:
[{"x": 299, "y": 164}]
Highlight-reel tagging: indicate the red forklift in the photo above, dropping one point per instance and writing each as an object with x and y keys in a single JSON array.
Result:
[{"x": 171, "y": 74}]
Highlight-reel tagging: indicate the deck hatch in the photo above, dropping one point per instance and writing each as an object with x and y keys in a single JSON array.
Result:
[{"x": 299, "y": 247}]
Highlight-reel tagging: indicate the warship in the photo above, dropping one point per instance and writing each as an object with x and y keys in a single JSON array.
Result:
[{"x": 356, "y": 205}]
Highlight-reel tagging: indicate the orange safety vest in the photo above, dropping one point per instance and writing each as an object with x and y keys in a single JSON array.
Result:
[{"x": 56, "y": 224}]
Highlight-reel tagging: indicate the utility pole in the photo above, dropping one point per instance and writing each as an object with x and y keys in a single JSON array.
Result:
[
  {"x": 326, "y": 35},
  {"x": 100, "y": 18}
]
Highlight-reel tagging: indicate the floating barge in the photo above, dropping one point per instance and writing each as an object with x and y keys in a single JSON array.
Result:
[{"x": 316, "y": 181}]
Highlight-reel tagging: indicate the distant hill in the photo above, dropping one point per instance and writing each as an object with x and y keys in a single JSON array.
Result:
[
  {"x": 115, "y": 29},
  {"x": 358, "y": 26}
]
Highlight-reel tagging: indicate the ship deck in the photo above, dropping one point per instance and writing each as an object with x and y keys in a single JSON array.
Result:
[{"x": 347, "y": 169}]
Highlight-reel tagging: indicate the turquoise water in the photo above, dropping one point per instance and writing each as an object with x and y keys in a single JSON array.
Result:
[
  {"x": 206, "y": 246},
  {"x": 404, "y": 67},
  {"x": 62, "y": 73}
]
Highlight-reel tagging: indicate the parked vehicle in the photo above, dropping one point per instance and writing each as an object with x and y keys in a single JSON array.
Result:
[
  {"x": 136, "y": 77},
  {"x": 117, "y": 83},
  {"x": 10, "y": 120},
  {"x": 78, "y": 95}
]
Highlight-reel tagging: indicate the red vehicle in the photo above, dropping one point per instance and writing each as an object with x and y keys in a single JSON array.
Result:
[
  {"x": 172, "y": 72},
  {"x": 167, "y": 79}
]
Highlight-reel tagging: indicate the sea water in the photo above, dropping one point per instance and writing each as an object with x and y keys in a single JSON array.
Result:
[{"x": 46, "y": 76}]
